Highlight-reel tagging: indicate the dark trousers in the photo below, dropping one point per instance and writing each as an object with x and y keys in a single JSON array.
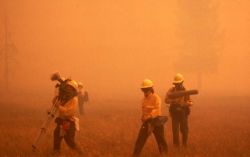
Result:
[
  {"x": 68, "y": 136},
  {"x": 81, "y": 108},
  {"x": 146, "y": 129},
  {"x": 180, "y": 123}
]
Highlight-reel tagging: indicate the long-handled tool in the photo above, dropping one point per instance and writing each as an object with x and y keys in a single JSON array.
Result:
[
  {"x": 178, "y": 94},
  {"x": 50, "y": 116}
]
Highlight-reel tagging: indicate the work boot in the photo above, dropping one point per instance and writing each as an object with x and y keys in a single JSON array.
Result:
[
  {"x": 56, "y": 153},
  {"x": 177, "y": 145},
  {"x": 164, "y": 154},
  {"x": 79, "y": 149},
  {"x": 184, "y": 144}
]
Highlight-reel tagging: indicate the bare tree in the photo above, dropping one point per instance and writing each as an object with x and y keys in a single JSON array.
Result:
[
  {"x": 200, "y": 44},
  {"x": 7, "y": 52}
]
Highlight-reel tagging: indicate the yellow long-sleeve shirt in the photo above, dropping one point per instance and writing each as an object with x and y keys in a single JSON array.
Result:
[
  {"x": 68, "y": 110},
  {"x": 151, "y": 106}
]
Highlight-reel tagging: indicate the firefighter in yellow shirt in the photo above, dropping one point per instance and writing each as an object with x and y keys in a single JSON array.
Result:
[
  {"x": 179, "y": 110},
  {"x": 152, "y": 121},
  {"x": 66, "y": 120}
]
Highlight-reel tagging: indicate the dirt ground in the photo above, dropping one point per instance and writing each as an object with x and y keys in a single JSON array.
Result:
[{"x": 219, "y": 127}]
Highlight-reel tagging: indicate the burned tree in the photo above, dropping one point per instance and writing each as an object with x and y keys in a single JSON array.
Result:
[
  {"x": 199, "y": 39},
  {"x": 6, "y": 53}
]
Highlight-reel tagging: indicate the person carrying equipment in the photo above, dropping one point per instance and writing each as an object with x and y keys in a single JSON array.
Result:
[
  {"x": 67, "y": 123},
  {"x": 66, "y": 120},
  {"x": 152, "y": 121},
  {"x": 180, "y": 102},
  {"x": 64, "y": 105}
]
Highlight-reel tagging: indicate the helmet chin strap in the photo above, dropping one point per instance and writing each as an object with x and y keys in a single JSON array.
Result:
[
  {"x": 179, "y": 85},
  {"x": 146, "y": 94}
]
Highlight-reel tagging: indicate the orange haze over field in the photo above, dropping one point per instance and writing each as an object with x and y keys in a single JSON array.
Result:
[{"x": 111, "y": 46}]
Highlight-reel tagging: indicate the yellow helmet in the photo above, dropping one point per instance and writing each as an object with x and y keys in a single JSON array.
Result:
[
  {"x": 147, "y": 83},
  {"x": 73, "y": 84},
  {"x": 178, "y": 78}
]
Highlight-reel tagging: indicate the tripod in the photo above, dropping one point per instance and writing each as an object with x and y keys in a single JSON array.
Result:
[{"x": 50, "y": 116}]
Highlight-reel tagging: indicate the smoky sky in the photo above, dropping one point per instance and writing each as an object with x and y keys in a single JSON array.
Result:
[{"x": 111, "y": 46}]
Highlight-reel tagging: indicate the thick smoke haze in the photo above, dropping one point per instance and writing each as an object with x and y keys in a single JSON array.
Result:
[{"x": 111, "y": 46}]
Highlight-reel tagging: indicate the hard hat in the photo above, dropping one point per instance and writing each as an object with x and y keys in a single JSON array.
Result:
[
  {"x": 178, "y": 78},
  {"x": 73, "y": 84},
  {"x": 147, "y": 83},
  {"x": 80, "y": 85}
]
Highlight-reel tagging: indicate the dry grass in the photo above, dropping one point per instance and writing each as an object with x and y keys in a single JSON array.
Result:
[{"x": 218, "y": 128}]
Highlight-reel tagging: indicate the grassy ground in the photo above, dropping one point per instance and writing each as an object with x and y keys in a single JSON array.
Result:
[{"x": 218, "y": 127}]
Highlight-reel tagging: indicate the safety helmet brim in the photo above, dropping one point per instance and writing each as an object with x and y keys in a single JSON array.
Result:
[{"x": 147, "y": 83}]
